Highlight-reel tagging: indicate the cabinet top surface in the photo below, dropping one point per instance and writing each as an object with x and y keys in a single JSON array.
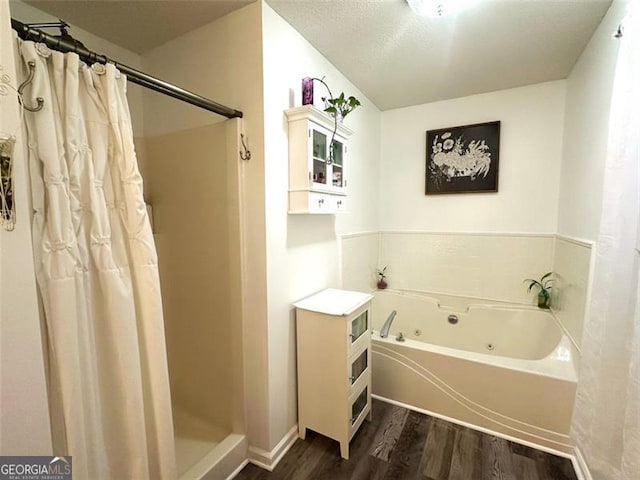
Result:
[
  {"x": 334, "y": 302},
  {"x": 311, "y": 113}
]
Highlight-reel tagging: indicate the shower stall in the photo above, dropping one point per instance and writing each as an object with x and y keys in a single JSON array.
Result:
[{"x": 192, "y": 186}]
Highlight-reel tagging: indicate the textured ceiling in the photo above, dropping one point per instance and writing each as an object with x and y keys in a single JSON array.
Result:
[
  {"x": 138, "y": 25},
  {"x": 398, "y": 58},
  {"x": 394, "y": 56}
]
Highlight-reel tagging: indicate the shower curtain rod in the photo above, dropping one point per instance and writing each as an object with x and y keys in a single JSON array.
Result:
[{"x": 135, "y": 76}]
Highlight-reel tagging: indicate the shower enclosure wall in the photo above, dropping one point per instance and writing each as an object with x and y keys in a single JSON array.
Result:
[{"x": 192, "y": 184}]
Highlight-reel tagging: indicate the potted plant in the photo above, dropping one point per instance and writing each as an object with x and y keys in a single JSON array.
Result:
[
  {"x": 381, "y": 276},
  {"x": 341, "y": 106},
  {"x": 544, "y": 285}
]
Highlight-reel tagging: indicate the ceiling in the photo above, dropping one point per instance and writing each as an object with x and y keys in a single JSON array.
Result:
[
  {"x": 138, "y": 25},
  {"x": 395, "y": 57},
  {"x": 398, "y": 58}
]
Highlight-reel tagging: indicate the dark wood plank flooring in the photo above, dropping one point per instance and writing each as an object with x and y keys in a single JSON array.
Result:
[{"x": 401, "y": 444}]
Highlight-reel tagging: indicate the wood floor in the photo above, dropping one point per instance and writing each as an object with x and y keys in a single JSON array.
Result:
[{"x": 401, "y": 444}]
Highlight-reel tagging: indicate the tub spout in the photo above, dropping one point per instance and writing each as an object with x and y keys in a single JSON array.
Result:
[{"x": 384, "y": 332}]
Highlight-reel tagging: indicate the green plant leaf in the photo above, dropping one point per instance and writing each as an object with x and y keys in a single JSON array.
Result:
[
  {"x": 533, "y": 283},
  {"x": 544, "y": 284}
]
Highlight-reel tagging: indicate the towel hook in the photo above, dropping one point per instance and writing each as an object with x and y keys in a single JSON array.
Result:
[
  {"x": 32, "y": 70},
  {"x": 245, "y": 153},
  {"x": 619, "y": 33}
]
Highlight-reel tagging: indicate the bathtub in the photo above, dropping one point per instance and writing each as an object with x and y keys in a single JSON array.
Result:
[{"x": 500, "y": 367}]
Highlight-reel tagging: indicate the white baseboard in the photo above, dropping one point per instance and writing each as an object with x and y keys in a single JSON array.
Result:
[
  {"x": 580, "y": 466},
  {"x": 269, "y": 460}
]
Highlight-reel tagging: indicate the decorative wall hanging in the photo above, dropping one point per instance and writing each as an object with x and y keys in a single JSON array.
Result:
[
  {"x": 7, "y": 208},
  {"x": 463, "y": 159},
  {"x": 7, "y": 143}
]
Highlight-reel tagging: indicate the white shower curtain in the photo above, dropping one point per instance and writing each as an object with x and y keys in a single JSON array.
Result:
[
  {"x": 97, "y": 272},
  {"x": 606, "y": 422}
]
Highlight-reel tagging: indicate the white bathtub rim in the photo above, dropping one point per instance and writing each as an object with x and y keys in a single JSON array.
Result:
[
  {"x": 580, "y": 466},
  {"x": 478, "y": 428},
  {"x": 474, "y": 301},
  {"x": 547, "y": 367},
  {"x": 237, "y": 471},
  {"x": 566, "y": 369},
  {"x": 478, "y": 302}
]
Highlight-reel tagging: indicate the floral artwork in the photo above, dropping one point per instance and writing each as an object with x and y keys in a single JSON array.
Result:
[{"x": 463, "y": 159}]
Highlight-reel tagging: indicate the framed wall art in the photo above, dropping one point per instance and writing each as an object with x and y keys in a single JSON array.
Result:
[{"x": 463, "y": 159}]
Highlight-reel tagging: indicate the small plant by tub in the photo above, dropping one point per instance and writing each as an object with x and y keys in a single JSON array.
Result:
[
  {"x": 381, "y": 276},
  {"x": 544, "y": 285}
]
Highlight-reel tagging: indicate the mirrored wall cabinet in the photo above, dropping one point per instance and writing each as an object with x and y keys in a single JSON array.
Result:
[{"x": 317, "y": 179}]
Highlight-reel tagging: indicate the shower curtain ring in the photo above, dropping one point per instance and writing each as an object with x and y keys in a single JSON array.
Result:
[{"x": 32, "y": 70}]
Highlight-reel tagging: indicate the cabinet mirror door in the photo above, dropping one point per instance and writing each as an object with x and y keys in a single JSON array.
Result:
[
  {"x": 359, "y": 405},
  {"x": 319, "y": 157},
  {"x": 358, "y": 366},
  {"x": 359, "y": 325},
  {"x": 337, "y": 148}
]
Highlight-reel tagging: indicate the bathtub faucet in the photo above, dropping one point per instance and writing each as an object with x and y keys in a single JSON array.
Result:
[{"x": 384, "y": 332}]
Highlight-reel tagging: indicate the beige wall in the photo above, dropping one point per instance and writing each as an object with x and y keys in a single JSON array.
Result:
[
  {"x": 223, "y": 61},
  {"x": 589, "y": 89},
  {"x": 480, "y": 245},
  {"x": 586, "y": 128},
  {"x": 191, "y": 188},
  {"x": 303, "y": 251},
  {"x": 532, "y": 121},
  {"x": 359, "y": 261},
  {"x": 24, "y": 418}
]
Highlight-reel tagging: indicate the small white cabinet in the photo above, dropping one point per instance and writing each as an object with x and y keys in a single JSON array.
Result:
[
  {"x": 317, "y": 161},
  {"x": 333, "y": 331}
]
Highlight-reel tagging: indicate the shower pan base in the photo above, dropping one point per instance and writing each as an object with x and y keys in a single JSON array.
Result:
[{"x": 205, "y": 451}]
